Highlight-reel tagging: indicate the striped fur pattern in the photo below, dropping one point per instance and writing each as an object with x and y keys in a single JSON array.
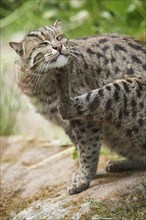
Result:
[{"x": 101, "y": 92}]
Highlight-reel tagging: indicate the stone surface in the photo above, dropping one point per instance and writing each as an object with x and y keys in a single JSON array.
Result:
[{"x": 36, "y": 173}]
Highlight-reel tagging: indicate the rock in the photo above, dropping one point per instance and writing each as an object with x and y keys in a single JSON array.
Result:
[
  {"x": 43, "y": 210},
  {"x": 35, "y": 175}
]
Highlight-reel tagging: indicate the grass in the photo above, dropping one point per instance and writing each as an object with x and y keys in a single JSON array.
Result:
[
  {"x": 9, "y": 101},
  {"x": 123, "y": 210}
]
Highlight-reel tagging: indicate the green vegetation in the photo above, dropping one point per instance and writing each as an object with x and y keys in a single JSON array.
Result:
[
  {"x": 82, "y": 17},
  {"x": 123, "y": 210},
  {"x": 75, "y": 154},
  {"x": 79, "y": 18},
  {"x": 9, "y": 103}
]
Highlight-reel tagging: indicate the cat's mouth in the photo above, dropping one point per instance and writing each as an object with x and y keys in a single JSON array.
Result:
[
  {"x": 58, "y": 60},
  {"x": 57, "y": 55},
  {"x": 61, "y": 60}
]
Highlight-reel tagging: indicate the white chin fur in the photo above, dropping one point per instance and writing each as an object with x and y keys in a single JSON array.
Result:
[{"x": 59, "y": 62}]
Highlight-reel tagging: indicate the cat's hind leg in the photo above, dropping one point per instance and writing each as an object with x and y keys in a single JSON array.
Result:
[
  {"x": 124, "y": 165},
  {"x": 134, "y": 157}
]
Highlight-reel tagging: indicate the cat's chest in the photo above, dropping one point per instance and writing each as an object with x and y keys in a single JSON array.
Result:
[
  {"x": 47, "y": 107},
  {"x": 47, "y": 98}
]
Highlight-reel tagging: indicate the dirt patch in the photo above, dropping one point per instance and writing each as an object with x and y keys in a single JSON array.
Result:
[{"x": 37, "y": 173}]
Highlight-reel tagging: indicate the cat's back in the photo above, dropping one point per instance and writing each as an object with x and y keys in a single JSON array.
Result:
[
  {"x": 115, "y": 42},
  {"x": 114, "y": 53}
]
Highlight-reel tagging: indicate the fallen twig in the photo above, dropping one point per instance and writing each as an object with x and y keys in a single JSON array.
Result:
[{"x": 56, "y": 156}]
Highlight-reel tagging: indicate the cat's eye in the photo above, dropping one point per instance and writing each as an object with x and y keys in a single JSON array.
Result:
[
  {"x": 45, "y": 43},
  {"x": 59, "y": 37}
]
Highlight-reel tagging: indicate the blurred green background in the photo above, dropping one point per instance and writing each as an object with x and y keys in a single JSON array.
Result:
[{"x": 79, "y": 18}]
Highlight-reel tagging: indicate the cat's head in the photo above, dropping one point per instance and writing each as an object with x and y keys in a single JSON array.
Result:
[{"x": 44, "y": 49}]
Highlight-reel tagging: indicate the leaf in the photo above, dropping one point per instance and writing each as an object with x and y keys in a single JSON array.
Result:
[{"x": 75, "y": 154}]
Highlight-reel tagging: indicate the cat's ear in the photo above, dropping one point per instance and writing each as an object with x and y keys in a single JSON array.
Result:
[
  {"x": 17, "y": 47},
  {"x": 57, "y": 24}
]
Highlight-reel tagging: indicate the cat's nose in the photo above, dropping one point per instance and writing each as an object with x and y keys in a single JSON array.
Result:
[{"x": 57, "y": 47}]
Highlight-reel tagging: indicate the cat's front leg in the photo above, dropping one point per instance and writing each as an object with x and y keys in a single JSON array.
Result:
[
  {"x": 66, "y": 104},
  {"x": 88, "y": 137}
]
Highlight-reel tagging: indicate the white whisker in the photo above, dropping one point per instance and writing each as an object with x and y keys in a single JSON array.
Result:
[
  {"x": 72, "y": 54},
  {"x": 48, "y": 55},
  {"x": 36, "y": 62}
]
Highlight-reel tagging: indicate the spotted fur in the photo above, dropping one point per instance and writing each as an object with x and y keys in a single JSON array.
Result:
[{"x": 106, "y": 76}]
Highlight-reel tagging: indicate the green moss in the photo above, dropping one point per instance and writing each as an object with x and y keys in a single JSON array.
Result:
[{"x": 122, "y": 209}]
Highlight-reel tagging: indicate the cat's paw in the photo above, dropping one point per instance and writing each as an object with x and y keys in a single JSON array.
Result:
[
  {"x": 80, "y": 183},
  {"x": 118, "y": 166},
  {"x": 110, "y": 166},
  {"x": 77, "y": 188}
]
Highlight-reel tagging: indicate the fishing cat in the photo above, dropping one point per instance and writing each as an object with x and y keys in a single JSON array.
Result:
[{"x": 92, "y": 63}]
